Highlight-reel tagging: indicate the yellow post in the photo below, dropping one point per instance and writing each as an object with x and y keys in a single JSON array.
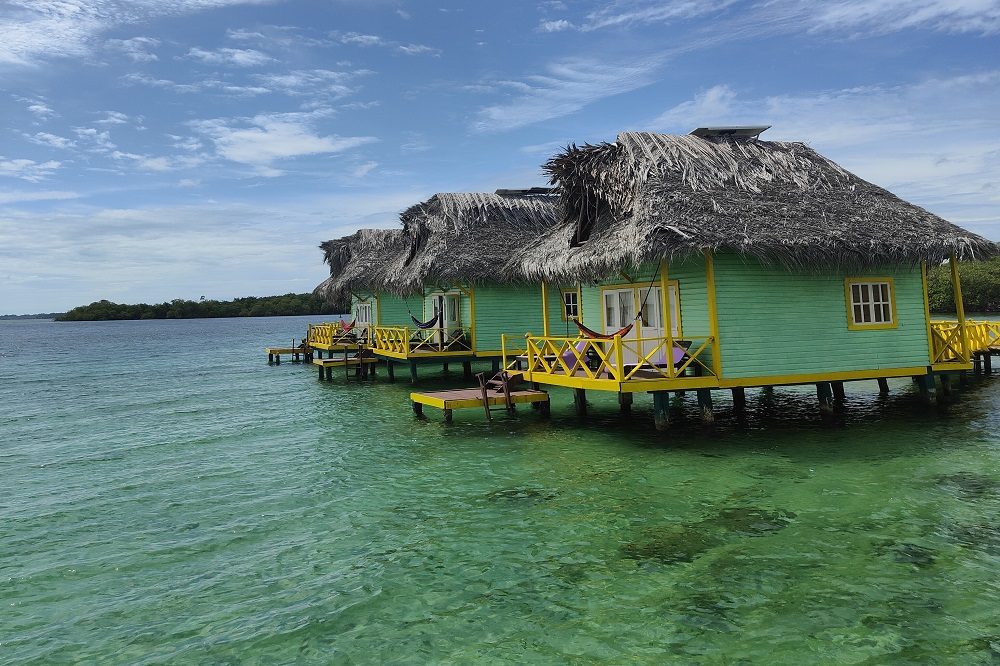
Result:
[
  {"x": 927, "y": 313},
  {"x": 579, "y": 303},
  {"x": 956, "y": 285},
  {"x": 668, "y": 320},
  {"x": 503, "y": 349},
  {"x": 531, "y": 364},
  {"x": 405, "y": 346},
  {"x": 545, "y": 309},
  {"x": 619, "y": 365},
  {"x": 713, "y": 314},
  {"x": 472, "y": 316}
]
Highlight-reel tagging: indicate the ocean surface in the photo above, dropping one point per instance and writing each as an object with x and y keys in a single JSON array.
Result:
[{"x": 166, "y": 497}]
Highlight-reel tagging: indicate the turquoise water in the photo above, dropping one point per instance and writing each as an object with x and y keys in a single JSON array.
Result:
[{"x": 167, "y": 497}]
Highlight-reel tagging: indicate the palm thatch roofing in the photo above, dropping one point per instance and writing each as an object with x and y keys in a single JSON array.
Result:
[
  {"x": 469, "y": 237},
  {"x": 358, "y": 262},
  {"x": 450, "y": 238},
  {"x": 649, "y": 197}
]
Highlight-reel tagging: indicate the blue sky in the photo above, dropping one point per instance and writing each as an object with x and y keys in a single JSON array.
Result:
[{"x": 157, "y": 149}]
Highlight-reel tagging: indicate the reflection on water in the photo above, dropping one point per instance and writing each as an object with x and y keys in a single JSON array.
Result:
[{"x": 171, "y": 498}]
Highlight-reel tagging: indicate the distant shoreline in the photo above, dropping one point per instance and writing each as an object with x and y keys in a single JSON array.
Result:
[{"x": 287, "y": 305}]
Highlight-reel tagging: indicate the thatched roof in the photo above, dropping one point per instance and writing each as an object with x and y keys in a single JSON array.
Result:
[
  {"x": 358, "y": 262},
  {"x": 469, "y": 237},
  {"x": 649, "y": 197}
]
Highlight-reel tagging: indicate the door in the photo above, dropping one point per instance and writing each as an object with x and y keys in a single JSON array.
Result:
[
  {"x": 448, "y": 305},
  {"x": 619, "y": 312},
  {"x": 363, "y": 315},
  {"x": 651, "y": 319}
]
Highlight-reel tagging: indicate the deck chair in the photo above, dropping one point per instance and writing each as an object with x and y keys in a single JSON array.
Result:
[{"x": 499, "y": 383}]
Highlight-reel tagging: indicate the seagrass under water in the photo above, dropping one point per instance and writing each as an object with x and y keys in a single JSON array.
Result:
[{"x": 168, "y": 497}]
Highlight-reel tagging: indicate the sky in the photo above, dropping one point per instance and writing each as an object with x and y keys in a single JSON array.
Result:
[{"x": 161, "y": 149}]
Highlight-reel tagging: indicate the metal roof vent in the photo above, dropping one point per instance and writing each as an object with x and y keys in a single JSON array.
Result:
[
  {"x": 531, "y": 191},
  {"x": 734, "y": 132}
]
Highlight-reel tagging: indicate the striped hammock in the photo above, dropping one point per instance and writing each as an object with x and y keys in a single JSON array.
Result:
[
  {"x": 594, "y": 335},
  {"x": 423, "y": 325}
]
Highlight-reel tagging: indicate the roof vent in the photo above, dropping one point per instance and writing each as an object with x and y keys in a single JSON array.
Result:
[
  {"x": 531, "y": 191},
  {"x": 735, "y": 132}
]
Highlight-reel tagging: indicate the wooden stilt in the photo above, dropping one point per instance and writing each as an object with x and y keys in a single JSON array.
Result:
[
  {"x": 444, "y": 367},
  {"x": 495, "y": 365},
  {"x": 467, "y": 369},
  {"x": 977, "y": 362},
  {"x": 945, "y": 386},
  {"x": 545, "y": 408},
  {"x": 661, "y": 409},
  {"x": 739, "y": 400},
  {"x": 277, "y": 359},
  {"x": 329, "y": 374},
  {"x": 270, "y": 359},
  {"x": 320, "y": 372},
  {"x": 925, "y": 384},
  {"x": 580, "y": 401},
  {"x": 391, "y": 370},
  {"x": 413, "y": 372},
  {"x": 418, "y": 409},
  {"x": 883, "y": 385},
  {"x": 825, "y": 394},
  {"x": 838, "y": 391},
  {"x": 987, "y": 363},
  {"x": 625, "y": 403},
  {"x": 447, "y": 415},
  {"x": 705, "y": 404}
]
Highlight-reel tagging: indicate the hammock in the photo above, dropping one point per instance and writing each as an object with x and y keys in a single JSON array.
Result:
[
  {"x": 594, "y": 335},
  {"x": 426, "y": 324},
  {"x": 346, "y": 328}
]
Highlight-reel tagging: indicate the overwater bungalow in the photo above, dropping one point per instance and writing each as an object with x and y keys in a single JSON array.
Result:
[
  {"x": 717, "y": 260},
  {"x": 441, "y": 290},
  {"x": 457, "y": 261},
  {"x": 358, "y": 266}
]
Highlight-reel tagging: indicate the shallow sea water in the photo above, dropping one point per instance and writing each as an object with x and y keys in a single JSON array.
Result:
[{"x": 167, "y": 497}]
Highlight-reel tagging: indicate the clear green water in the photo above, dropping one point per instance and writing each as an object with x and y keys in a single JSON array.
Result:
[{"x": 166, "y": 497}]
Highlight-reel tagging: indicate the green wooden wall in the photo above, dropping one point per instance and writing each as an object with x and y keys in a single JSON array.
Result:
[
  {"x": 772, "y": 322},
  {"x": 391, "y": 310},
  {"x": 511, "y": 310}
]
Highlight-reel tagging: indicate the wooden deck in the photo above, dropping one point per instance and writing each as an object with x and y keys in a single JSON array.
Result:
[
  {"x": 472, "y": 398},
  {"x": 274, "y": 354},
  {"x": 363, "y": 365}
]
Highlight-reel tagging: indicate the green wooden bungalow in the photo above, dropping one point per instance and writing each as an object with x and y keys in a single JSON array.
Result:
[
  {"x": 717, "y": 260},
  {"x": 457, "y": 265},
  {"x": 358, "y": 270}
]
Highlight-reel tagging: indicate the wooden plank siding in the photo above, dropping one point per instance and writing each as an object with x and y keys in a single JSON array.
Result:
[
  {"x": 512, "y": 311},
  {"x": 773, "y": 322},
  {"x": 389, "y": 310}
]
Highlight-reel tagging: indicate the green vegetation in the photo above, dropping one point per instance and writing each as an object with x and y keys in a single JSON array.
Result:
[
  {"x": 40, "y": 315},
  {"x": 980, "y": 287},
  {"x": 266, "y": 306}
]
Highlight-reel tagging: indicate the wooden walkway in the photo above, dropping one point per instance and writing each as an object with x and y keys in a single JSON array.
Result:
[
  {"x": 362, "y": 365},
  {"x": 467, "y": 398},
  {"x": 274, "y": 354}
]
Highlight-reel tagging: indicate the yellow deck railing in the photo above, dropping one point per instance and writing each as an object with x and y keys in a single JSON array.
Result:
[
  {"x": 406, "y": 341},
  {"x": 947, "y": 345},
  {"x": 324, "y": 336},
  {"x": 617, "y": 359}
]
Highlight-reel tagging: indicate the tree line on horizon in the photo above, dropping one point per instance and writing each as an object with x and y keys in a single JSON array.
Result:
[{"x": 249, "y": 306}]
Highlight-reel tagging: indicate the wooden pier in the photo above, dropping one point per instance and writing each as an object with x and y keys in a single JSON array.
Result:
[
  {"x": 469, "y": 398},
  {"x": 364, "y": 365},
  {"x": 274, "y": 354}
]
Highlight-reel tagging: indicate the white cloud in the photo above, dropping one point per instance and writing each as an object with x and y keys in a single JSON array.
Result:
[
  {"x": 555, "y": 26},
  {"x": 323, "y": 82},
  {"x": 417, "y": 49},
  {"x": 363, "y": 170},
  {"x": 38, "y": 107},
  {"x": 235, "y": 57},
  {"x": 159, "y": 163},
  {"x": 98, "y": 139},
  {"x": 28, "y": 170},
  {"x": 628, "y": 12},
  {"x": 566, "y": 87},
  {"x": 884, "y": 16},
  {"x": 166, "y": 84},
  {"x": 9, "y": 197},
  {"x": 139, "y": 49},
  {"x": 46, "y": 139},
  {"x": 359, "y": 39},
  {"x": 36, "y": 30},
  {"x": 113, "y": 118},
  {"x": 266, "y": 138}
]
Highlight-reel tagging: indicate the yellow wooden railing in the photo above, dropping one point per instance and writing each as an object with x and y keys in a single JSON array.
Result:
[
  {"x": 330, "y": 335},
  {"x": 618, "y": 359},
  {"x": 407, "y": 341},
  {"x": 947, "y": 345}
]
